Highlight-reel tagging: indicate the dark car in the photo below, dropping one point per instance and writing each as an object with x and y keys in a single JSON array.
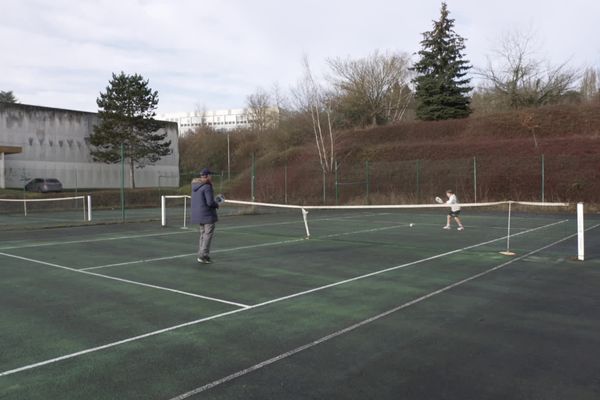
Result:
[{"x": 44, "y": 185}]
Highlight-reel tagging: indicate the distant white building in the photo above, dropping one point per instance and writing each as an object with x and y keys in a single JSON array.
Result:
[
  {"x": 43, "y": 142},
  {"x": 220, "y": 120}
]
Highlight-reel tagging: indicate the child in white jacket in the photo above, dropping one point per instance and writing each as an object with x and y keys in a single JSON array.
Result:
[{"x": 454, "y": 210}]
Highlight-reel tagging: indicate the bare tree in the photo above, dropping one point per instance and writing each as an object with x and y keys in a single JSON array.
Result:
[
  {"x": 259, "y": 106},
  {"x": 311, "y": 98},
  {"x": 199, "y": 119},
  {"x": 280, "y": 101},
  {"x": 589, "y": 84},
  {"x": 375, "y": 88},
  {"x": 520, "y": 79}
]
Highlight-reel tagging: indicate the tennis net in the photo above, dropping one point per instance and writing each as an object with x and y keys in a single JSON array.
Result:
[
  {"x": 511, "y": 227},
  {"x": 175, "y": 210},
  {"x": 47, "y": 212}
]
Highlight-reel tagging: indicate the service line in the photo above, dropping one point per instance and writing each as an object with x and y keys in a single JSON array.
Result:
[{"x": 245, "y": 308}]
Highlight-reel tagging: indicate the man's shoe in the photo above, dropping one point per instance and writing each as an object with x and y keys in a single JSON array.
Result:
[
  {"x": 461, "y": 228},
  {"x": 201, "y": 260},
  {"x": 206, "y": 260},
  {"x": 447, "y": 227}
]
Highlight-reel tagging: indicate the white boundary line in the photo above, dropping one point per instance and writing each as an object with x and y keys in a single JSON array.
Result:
[
  {"x": 398, "y": 267},
  {"x": 41, "y": 200},
  {"x": 397, "y": 206},
  {"x": 239, "y": 248},
  {"x": 225, "y": 228},
  {"x": 126, "y": 280},
  {"x": 275, "y": 244},
  {"x": 113, "y": 344},
  {"x": 191, "y": 254},
  {"x": 358, "y": 325},
  {"x": 157, "y": 332},
  {"x": 91, "y": 240}
]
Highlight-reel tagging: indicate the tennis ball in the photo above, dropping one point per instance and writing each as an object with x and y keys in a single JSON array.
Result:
[{"x": 411, "y": 225}]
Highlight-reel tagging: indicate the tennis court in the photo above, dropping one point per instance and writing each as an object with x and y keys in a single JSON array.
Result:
[{"x": 369, "y": 307}]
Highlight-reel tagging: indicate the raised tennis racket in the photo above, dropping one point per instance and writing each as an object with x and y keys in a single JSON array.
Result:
[
  {"x": 439, "y": 200},
  {"x": 220, "y": 199}
]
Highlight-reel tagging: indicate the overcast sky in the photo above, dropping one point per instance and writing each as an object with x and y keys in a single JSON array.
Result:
[{"x": 61, "y": 53}]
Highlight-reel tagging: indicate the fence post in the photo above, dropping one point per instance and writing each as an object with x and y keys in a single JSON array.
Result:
[
  {"x": 253, "y": 178},
  {"x": 285, "y": 185},
  {"x": 122, "y": 182},
  {"x": 228, "y": 159},
  {"x": 337, "y": 192},
  {"x": 475, "y": 179},
  {"x": 324, "y": 186},
  {"x": 543, "y": 173},
  {"x": 367, "y": 178},
  {"x": 221, "y": 182},
  {"x": 418, "y": 188}
]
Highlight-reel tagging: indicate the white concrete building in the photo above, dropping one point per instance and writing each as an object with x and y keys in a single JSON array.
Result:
[
  {"x": 42, "y": 142},
  {"x": 220, "y": 120}
]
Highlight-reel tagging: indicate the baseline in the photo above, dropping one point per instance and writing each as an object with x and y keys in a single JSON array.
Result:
[
  {"x": 353, "y": 327},
  {"x": 125, "y": 280},
  {"x": 195, "y": 322}
]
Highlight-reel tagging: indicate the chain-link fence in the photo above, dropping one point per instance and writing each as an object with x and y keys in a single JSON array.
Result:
[{"x": 474, "y": 179}]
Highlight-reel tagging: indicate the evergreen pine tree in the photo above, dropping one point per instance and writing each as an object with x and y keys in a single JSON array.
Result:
[
  {"x": 126, "y": 113},
  {"x": 7, "y": 97},
  {"x": 441, "y": 86}
]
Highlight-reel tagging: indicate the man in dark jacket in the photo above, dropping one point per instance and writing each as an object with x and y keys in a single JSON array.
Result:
[{"x": 204, "y": 212}]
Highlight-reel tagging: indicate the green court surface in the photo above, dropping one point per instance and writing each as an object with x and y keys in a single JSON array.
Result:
[{"x": 367, "y": 308}]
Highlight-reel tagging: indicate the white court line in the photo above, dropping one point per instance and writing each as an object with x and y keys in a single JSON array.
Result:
[
  {"x": 154, "y": 333},
  {"x": 359, "y": 324},
  {"x": 399, "y": 266},
  {"x": 225, "y": 228},
  {"x": 125, "y": 280},
  {"x": 267, "y": 244},
  {"x": 254, "y": 246},
  {"x": 192, "y": 254},
  {"x": 91, "y": 240},
  {"x": 113, "y": 344}
]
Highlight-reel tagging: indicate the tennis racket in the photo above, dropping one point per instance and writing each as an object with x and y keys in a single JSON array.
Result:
[
  {"x": 220, "y": 199},
  {"x": 439, "y": 200}
]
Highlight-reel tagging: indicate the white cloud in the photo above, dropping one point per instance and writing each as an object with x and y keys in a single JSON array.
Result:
[{"x": 62, "y": 53}]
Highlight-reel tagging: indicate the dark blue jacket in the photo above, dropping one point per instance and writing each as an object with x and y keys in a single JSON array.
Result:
[{"x": 204, "y": 206}]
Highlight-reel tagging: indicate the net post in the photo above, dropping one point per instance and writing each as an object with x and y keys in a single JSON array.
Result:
[
  {"x": 89, "y": 209},
  {"x": 508, "y": 231},
  {"x": 25, "y": 206},
  {"x": 163, "y": 215},
  {"x": 508, "y": 252},
  {"x": 184, "y": 212},
  {"x": 83, "y": 200},
  {"x": 304, "y": 217},
  {"x": 580, "y": 232}
]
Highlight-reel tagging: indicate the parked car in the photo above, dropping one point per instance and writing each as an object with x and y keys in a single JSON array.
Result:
[{"x": 44, "y": 185}]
